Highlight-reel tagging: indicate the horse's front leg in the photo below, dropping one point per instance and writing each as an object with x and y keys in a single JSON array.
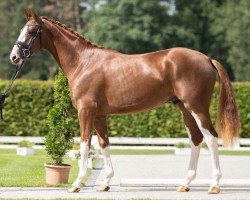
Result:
[
  {"x": 102, "y": 132},
  {"x": 86, "y": 117}
]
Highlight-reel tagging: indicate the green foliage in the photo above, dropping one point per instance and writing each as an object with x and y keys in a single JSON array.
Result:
[
  {"x": 26, "y": 108},
  {"x": 29, "y": 102},
  {"x": 182, "y": 145},
  {"x": 230, "y": 29},
  {"x": 25, "y": 143},
  {"x": 134, "y": 26},
  {"x": 242, "y": 91},
  {"x": 60, "y": 137}
]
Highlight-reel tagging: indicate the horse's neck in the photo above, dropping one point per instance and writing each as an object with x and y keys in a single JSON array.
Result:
[{"x": 68, "y": 50}]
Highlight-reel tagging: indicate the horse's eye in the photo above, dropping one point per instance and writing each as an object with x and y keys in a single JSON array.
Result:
[{"x": 31, "y": 33}]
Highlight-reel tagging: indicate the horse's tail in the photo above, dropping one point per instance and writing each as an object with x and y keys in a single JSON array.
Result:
[{"x": 228, "y": 120}]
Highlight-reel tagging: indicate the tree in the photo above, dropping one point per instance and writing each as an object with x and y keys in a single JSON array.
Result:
[
  {"x": 231, "y": 30},
  {"x": 60, "y": 118},
  {"x": 222, "y": 31},
  {"x": 133, "y": 26},
  {"x": 67, "y": 12}
]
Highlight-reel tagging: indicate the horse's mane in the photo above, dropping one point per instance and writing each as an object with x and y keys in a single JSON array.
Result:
[{"x": 71, "y": 31}]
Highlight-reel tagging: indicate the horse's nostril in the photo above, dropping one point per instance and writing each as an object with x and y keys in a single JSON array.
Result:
[{"x": 14, "y": 58}]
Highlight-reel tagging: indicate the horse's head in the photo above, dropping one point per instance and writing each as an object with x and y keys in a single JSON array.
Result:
[{"x": 29, "y": 40}]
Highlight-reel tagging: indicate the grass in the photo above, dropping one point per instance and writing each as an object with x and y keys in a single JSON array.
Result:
[
  {"x": 28, "y": 171},
  {"x": 234, "y": 153},
  {"x": 169, "y": 152}
]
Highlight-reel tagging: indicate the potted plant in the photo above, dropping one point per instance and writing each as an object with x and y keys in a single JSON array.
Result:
[
  {"x": 59, "y": 140},
  {"x": 25, "y": 148}
]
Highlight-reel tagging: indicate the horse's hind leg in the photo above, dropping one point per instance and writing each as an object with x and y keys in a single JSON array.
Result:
[
  {"x": 204, "y": 123},
  {"x": 102, "y": 132},
  {"x": 196, "y": 138}
]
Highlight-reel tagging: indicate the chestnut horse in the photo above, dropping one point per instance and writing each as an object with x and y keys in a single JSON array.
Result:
[{"x": 104, "y": 81}]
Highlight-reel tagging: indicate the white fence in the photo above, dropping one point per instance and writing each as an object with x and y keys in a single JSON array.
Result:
[{"x": 114, "y": 141}]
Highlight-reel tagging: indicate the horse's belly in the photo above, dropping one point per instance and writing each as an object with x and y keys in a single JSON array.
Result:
[
  {"x": 138, "y": 100},
  {"x": 136, "y": 108}
]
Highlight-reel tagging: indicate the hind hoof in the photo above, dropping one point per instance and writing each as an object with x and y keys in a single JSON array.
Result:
[
  {"x": 183, "y": 188},
  {"x": 103, "y": 188},
  {"x": 74, "y": 189},
  {"x": 214, "y": 190}
]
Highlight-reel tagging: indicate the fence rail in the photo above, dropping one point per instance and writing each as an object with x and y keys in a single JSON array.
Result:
[{"x": 116, "y": 140}]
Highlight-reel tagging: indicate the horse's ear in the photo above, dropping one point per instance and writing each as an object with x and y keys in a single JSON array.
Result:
[
  {"x": 34, "y": 15},
  {"x": 30, "y": 14},
  {"x": 27, "y": 13}
]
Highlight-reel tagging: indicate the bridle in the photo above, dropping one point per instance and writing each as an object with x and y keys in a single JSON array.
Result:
[{"x": 25, "y": 52}]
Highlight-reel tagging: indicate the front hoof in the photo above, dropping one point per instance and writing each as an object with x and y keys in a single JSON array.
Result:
[
  {"x": 103, "y": 188},
  {"x": 214, "y": 190},
  {"x": 183, "y": 188},
  {"x": 74, "y": 189}
]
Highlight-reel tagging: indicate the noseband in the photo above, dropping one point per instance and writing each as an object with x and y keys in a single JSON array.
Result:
[{"x": 25, "y": 50}]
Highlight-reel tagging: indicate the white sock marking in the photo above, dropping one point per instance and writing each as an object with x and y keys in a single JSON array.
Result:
[
  {"x": 109, "y": 172},
  {"x": 212, "y": 143},
  {"x": 195, "y": 152},
  {"x": 84, "y": 152}
]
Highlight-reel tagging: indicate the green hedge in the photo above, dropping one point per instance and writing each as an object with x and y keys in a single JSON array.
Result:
[{"x": 27, "y": 107}]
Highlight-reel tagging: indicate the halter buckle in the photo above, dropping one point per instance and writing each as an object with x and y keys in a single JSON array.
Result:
[{"x": 26, "y": 53}]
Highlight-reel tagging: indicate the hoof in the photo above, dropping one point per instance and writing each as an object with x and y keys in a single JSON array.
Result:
[
  {"x": 103, "y": 188},
  {"x": 74, "y": 189},
  {"x": 214, "y": 190},
  {"x": 183, "y": 188}
]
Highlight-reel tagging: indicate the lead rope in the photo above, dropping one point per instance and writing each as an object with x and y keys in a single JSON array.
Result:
[{"x": 4, "y": 95}]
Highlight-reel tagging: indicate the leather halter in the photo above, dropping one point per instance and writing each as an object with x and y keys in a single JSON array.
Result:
[
  {"x": 25, "y": 52},
  {"x": 24, "y": 49}
]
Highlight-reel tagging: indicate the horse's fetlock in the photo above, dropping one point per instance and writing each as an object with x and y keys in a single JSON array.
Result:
[
  {"x": 109, "y": 173},
  {"x": 191, "y": 174}
]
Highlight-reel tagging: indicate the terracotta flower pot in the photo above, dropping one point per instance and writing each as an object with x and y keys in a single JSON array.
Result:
[{"x": 56, "y": 174}]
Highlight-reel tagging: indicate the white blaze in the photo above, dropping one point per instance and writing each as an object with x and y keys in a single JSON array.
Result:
[{"x": 15, "y": 50}]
